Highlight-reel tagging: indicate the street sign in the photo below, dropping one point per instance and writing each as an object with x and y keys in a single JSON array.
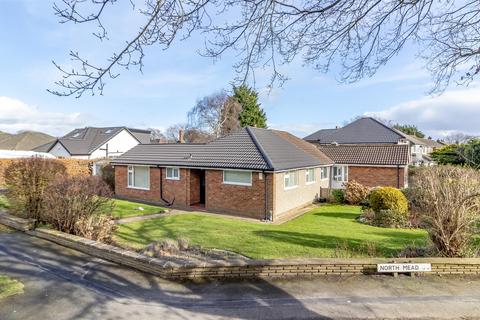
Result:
[{"x": 403, "y": 267}]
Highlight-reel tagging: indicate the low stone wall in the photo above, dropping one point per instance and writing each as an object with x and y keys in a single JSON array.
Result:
[
  {"x": 173, "y": 268},
  {"x": 15, "y": 222}
]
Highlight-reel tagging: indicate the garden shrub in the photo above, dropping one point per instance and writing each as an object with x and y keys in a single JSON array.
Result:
[
  {"x": 338, "y": 196},
  {"x": 108, "y": 175},
  {"x": 73, "y": 200},
  {"x": 96, "y": 227},
  {"x": 388, "y": 198},
  {"x": 448, "y": 200},
  {"x": 356, "y": 193},
  {"x": 26, "y": 181},
  {"x": 390, "y": 219}
]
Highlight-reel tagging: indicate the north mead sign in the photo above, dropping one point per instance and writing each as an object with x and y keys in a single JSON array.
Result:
[{"x": 403, "y": 267}]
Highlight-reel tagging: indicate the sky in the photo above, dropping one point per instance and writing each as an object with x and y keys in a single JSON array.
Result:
[{"x": 173, "y": 80}]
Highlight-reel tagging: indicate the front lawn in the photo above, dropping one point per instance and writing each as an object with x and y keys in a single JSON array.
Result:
[
  {"x": 9, "y": 287},
  {"x": 318, "y": 233},
  {"x": 124, "y": 209},
  {"x": 4, "y": 202}
]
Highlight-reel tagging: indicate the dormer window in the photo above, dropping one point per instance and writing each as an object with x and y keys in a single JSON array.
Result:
[
  {"x": 108, "y": 131},
  {"x": 76, "y": 135}
]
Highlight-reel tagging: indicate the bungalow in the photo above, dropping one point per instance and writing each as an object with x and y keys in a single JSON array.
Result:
[
  {"x": 371, "y": 165},
  {"x": 256, "y": 173},
  {"x": 95, "y": 143},
  {"x": 370, "y": 131}
]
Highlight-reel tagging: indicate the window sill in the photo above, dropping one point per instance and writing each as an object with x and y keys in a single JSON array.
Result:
[
  {"x": 138, "y": 188},
  {"x": 174, "y": 179},
  {"x": 311, "y": 182},
  {"x": 238, "y": 184},
  {"x": 290, "y": 188}
]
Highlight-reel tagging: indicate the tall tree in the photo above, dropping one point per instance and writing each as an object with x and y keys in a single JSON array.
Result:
[
  {"x": 355, "y": 37},
  {"x": 410, "y": 129},
  {"x": 467, "y": 154},
  {"x": 252, "y": 114},
  {"x": 216, "y": 113}
]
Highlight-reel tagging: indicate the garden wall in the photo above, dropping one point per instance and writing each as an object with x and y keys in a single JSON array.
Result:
[
  {"x": 171, "y": 268},
  {"x": 74, "y": 167}
]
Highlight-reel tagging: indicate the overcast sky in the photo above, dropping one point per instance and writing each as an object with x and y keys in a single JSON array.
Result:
[{"x": 173, "y": 80}]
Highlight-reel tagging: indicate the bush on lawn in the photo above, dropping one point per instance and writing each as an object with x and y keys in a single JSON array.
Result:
[
  {"x": 390, "y": 219},
  {"x": 356, "y": 193},
  {"x": 448, "y": 200},
  {"x": 388, "y": 198},
  {"x": 26, "y": 181},
  {"x": 75, "y": 204},
  {"x": 338, "y": 196}
]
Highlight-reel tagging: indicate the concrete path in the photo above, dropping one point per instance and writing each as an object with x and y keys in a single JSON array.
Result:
[{"x": 64, "y": 284}]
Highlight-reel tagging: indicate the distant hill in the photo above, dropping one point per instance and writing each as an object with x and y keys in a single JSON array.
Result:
[{"x": 25, "y": 140}]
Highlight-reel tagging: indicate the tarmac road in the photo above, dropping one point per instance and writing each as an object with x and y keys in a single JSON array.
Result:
[{"x": 64, "y": 284}]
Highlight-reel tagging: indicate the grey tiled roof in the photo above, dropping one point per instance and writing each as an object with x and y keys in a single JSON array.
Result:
[
  {"x": 249, "y": 148},
  {"x": 84, "y": 141},
  {"x": 377, "y": 154},
  {"x": 362, "y": 131}
]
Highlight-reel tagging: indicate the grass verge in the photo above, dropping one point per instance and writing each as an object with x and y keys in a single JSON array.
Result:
[{"x": 9, "y": 287}]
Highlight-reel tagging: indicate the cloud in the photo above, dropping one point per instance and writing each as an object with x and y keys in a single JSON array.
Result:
[
  {"x": 453, "y": 111},
  {"x": 16, "y": 115}
]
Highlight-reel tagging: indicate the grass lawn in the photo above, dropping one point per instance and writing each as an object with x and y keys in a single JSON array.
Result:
[
  {"x": 9, "y": 287},
  {"x": 318, "y": 233},
  {"x": 124, "y": 209}
]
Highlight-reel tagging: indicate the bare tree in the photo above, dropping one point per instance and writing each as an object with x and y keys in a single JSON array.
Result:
[
  {"x": 357, "y": 36},
  {"x": 157, "y": 135},
  {"x": 216, "y": 113},
  {"x": 191, "y": 134},
  {"x": 457, "y": 138}
]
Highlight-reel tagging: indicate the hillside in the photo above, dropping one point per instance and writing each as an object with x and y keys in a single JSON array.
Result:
[{"x": 25, "y": 140}]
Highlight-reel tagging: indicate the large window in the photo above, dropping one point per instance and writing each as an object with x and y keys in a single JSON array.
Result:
[
  {"x": 310, "y": 175},
  {"x": 173, "y": 173},
  {"x": 139, "y": 177},
  {"x": 340, "y": 173},
  {"x": 290, "y": 179},
  {"x": 241, "y": 178},
  {"x": 324, "y": 173}
]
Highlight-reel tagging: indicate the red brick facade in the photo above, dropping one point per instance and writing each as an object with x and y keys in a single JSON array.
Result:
[
  {"x": 246, "y": 201},
  {"x": 378, "y": 176}
]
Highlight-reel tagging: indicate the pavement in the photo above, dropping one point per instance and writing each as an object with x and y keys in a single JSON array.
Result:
[{"x": 64, "y": 284}]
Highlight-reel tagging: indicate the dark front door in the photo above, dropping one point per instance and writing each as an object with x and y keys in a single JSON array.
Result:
[{"x": 202, "y": 186}]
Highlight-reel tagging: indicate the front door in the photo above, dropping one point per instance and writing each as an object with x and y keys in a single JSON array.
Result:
[{"x": 202, "y": 186}]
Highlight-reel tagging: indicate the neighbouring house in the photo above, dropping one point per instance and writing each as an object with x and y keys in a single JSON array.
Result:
[
  {"x": 372, "y": 165},
  {"x": 370, "y": 131},
  {"x": 96, "y": 143},
  {"x": 255, "y": 173}
]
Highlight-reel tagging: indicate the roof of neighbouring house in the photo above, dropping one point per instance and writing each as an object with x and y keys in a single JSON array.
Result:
[
  {"x": 377, "y": 154},
  {"x": 365, "y": 130},
  {"x": 86, "y": 140},
  {"x": 248, "y": 148}
]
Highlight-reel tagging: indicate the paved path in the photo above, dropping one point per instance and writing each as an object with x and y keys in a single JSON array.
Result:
[{"x": 63, "y": 284}]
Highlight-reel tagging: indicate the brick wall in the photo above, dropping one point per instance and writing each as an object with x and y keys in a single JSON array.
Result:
[
  {"x": 377, "y": 176},
  {"x": 246, "y": 201},
  {"x": 122, "y": 189},
  {"x": 177, "y": 190},
  {"x": 194, "y": 186}
]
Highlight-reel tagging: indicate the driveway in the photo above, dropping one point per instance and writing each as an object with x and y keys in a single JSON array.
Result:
[{"x": 64, "y": 284}]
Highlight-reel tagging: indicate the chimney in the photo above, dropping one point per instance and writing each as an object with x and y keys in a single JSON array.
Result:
[{"x": 181, "y": 136}]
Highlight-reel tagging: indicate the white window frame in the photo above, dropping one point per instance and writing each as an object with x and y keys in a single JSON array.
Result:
[
  {"x": 246, "y": 184},
  {"x": 177, "y": 177},
  {"x": 307, "y": 175},
  {"x": 130, "y": 182},
  {"x": 287, "y": 174},
  {"x": 322, "y": 170},
  {"x": 343, "y": 176}
]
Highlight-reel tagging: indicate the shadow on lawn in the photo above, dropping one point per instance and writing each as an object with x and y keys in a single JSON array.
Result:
[
  {"x": 341, "y": 215},
  {"x": 80, "y": 287}
]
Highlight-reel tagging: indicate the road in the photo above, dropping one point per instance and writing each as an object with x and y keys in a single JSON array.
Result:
[{"x": 64, "y": 284}]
